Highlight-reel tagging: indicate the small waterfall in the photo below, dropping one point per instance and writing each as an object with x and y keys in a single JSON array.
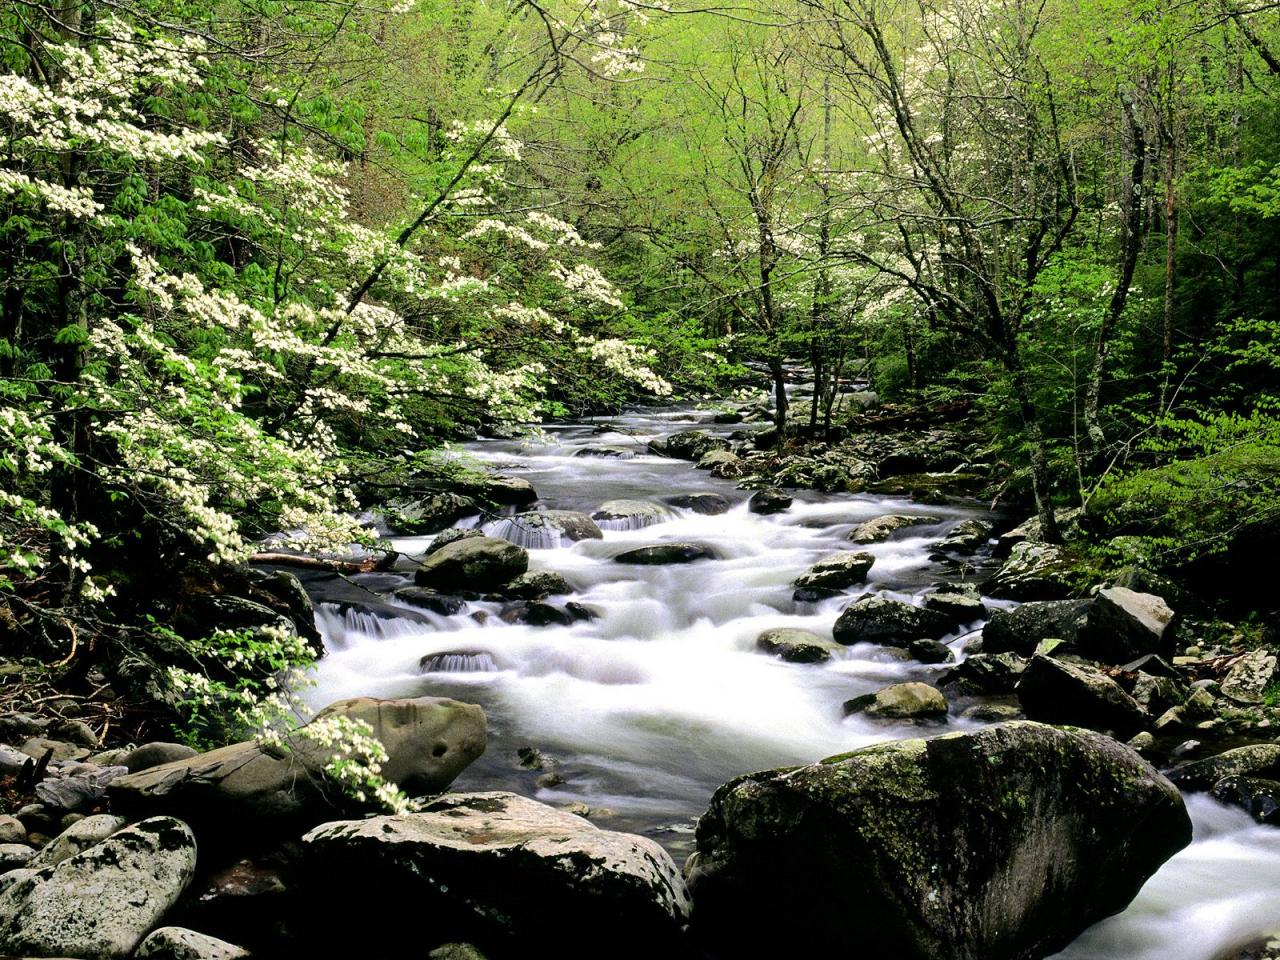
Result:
[
  {"x": 459, "y": 661},
  {"x": 529, "y": 536}
]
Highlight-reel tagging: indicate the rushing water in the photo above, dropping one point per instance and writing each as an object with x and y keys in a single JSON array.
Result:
[{"x": 650, "y": 707}]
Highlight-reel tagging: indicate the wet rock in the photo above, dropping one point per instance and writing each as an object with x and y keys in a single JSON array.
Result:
[
  {"x": 153, "y": 754},
  {"x": 425, "y": 598},
  {"x": 1052, "y": 691},
  {"x": 61, "y": 910},
  {"x": 796, "y": 646},
  {"x": 1249, "y": 676},
  {"x": 666, "y": 553},
  {"x": 930, "y": 651},
  {"x": 477, "y": 563},
  {"x": 1259, "y": 761},
  {"x": 452, "y": 535},
  {"x": 458, "y": 661},
  {"x": 1022, "y": 629},
  {"x": 706, "y": 504},
  {"x": 837, "y": 571},
  {"x": 607, "y": 453},
  {"x": 967, "y": 536},
  {"x": 720, "y": 462},
  {"x": 690, "y": 445},
  {"x": 958, "y": 604},
  {"x": 429, "y": 741},
  {"x": 506, "y": 865},
  {"x": 1034, "y": 571},
  {"x": 769, "y": 500},
  {"x": 77, "y": 838},
  {"x": 1158, "y": 693},
  {"x": 879, "y": 529},
  {"x": 179, "y": 943},
  {"x": 993, "y": 712},
  {"x": 901, "y": 701},
  {"x": 1002, "y": 844},
  {"x": 630, "y": 514},
  {"x": 537, "y": 585},
  {"x": 428, "y": 514},
  {"x": 507, "y": 491},
  {"x": 1260, "y": 799},
  {"x": 536, "y": 613},
  {"x": 891, "y": 623},
  {"x": 1123, "y": 625}
]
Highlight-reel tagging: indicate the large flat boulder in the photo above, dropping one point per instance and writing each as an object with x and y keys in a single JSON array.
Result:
[
  {"x": 429, "y": 741},
  {"x": 1002, "y": 844},
  {"x": 502, "y": 865},
  {"x": 102, "y": 901},
  {"x": 474, "y": 563}
]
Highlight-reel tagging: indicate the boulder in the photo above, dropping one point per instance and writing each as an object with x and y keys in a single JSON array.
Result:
[
  {"x": 837, "y": 571},
  {"x": 476, "y": 563},
  {"x": 1001, "y": 844},
  {"x": 429, "y": 741},
  {"x": 153, "y": 754},
  {"x": 12, "y": 830},
  {"x": 769, "y": 500},
  {"x": 428, "y": 513},
  {"x": 1034, "y": 571},
  {"x": 1123, "y": 625},
  {"x": 451, "y": 535},
  {"x": 37, "y": 747},
  {"x": 1029, "y": 530},
  {"x": 665, "y": 553},
  {"x": 959, "y": 603},
  {"x": 967, "y": 536},
  {"x": 796, "y": 646},
  {"x": 14, "y": 856},
  {"x": 179, "y": 943},
  {"x": 77, "y": 838},
  {"x": 879, "y": 529},
  {"x": 1260, "y": 799},
  {"x": 536, "y": 585},
  {"x": 1021, "y": 629},
  {"x": 706, "y": 504},
  {"x": 424, "y": 598},
  {"x": 901, "y": 701},
  {"x": 507, "y": 491},
  {"x": 720, "y": 462},
  {"x": 1259, "y": 761},
  {"x": 930, "y": 651},
  {"x": 503, "y": 865},
  {"x": 1249, "y": 677},
  {"x": 891, "y": 623},
  {"x": 102, "y": 901},
  {"x": 690, "y": 445},
  {"x": 630, "y": 514},
  {"x": 1056, "y": 692},
  {"x": 75, "y": 785}
]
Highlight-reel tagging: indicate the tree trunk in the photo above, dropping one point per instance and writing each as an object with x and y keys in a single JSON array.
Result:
[
  {"x": 1041, "y": 481},
  {"x": 1170, "y": 251},
  {"x": 779, "y": 398}
]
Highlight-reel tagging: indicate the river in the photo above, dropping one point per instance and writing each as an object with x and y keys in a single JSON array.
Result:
[{"x": 645, "y": 710}]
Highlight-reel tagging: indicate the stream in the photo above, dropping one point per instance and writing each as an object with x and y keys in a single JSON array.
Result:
[{"x": 647, "y": 709}]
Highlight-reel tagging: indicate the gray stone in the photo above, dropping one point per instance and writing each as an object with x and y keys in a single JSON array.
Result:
[
  {"x": 11, "y": 761},
  {"x": 707, "y": 504},
  {"x": 1249, "y": 676},
  {"x": 451, "y": 535},
  {"x": 508, "y": 862},
  {"x": 428, "y": 513},
  {"x": 836, "y": 571},
  {"x": 12, "y": 830},
  {"x": 78, "y": 787},
  {"x": 769, "y": 500},
  {"x": 14, "y": 855},
  {"x": 1056, "y": 692},
  {"x": 1124, "y": 625},
  {"x": 796, "y": 646},
  {"x": 967, "y": 536},
  {"x": 901, "y": 701},
  {"x": 1034, "y": 571},
  {"x": 101, "y": 902},
  {"x": 882, "y": 620},
  {"x": 546, "y": 528},
  {"x": 1259, "y": 761},
  {"x": 475, "y": 563},
  {"x": 958, "y": 606},
  {"x": 37, "y": 747},
  {"x": 1001, "y": 844},
  {"x": 879, "y": 529},
  {"x": 1021, "y": 629},
  {"x": 429, "y": 741},
  {"x": 1029, "y": 530},
  {"x": 77, "y": 838},
  {"x": 690, "y": 445},
  {"x": 179, "y": 943},
  {"x": 536, "y": 585},
  {"x": 665, "y": 553},
  {"x": 930, "y": 651},
  {"x": 424, "y": 598}
]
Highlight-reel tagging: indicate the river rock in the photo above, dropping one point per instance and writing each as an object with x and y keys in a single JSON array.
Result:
[
  {"x": 1260, "y": 799},
  {"x": 153, "y": 754},
  {"x": 443, "y": 604},
  {"x": 959, "y": 603},
  {"x": 888, "y": 622},
  {"x": 76, "y": 785},
  {"x": 666, "y": 553},
  {"x": 879, "y": 529},
  {"x": 476, "y": 563},
  {"x": 428, "y": 513},
  {"x": 14, "y": 856},
  {"x": 606, "y": 452},
  {"x": 796, "y": 646},
  {"x": 77, "y": 838},
  {"x": 630, "y": 514},
  {"x": 12, "y": 830},
  {"x": 706, "y": 504},
  {"x": 1001, "y": 844},
  {"x": 1034, "y": 571},
  {"x": 719, "y": 462},
  {"x": 507, "y": 491},
  {"x": 837, "y": 571},
  {"x": 102, "y": 901},
  {"x": 1056, "y": 692},
  {"x": 179, "y": 943},
  {"x": 451, "y": 535},
  {"x": 1123, "y": 625},
  {"x": 930, "y": 651},
  {"x": 1029, "y": 531},
  {"x": 1022, "y": 629},
  {"x": 769, "y": 500},
  {"x": 536, "y": 585},
  {"x": 901, "y": 701},
  {"x": 690, "y": 445},
  {"x": 967, "y": 536},
  {"x": 506, "y": 865},
  {"x": 1259, "y": 761},
  {"x": 429, "y": 741},
  {"x": 1249, "y": 676}
]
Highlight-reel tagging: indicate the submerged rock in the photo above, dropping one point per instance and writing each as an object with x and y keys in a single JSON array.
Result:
[
  {"x": 503, "y": 865},
  {"x": 796, "y": 646},
  {"x": 425, "y": 598},
  {"x": 1002, "y": 844},
  {"x": 879, "y": 529},
  {"x": 102, "y": 901},
  {"x": 665, "y": 553},
  {"x": 474, "y": 563},
  {"x": 707, "y": 504},
  {"x": 889, "y": 622}
]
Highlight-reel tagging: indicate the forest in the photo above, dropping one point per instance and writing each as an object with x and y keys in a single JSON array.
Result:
[{"x": 355, "y": 360}]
